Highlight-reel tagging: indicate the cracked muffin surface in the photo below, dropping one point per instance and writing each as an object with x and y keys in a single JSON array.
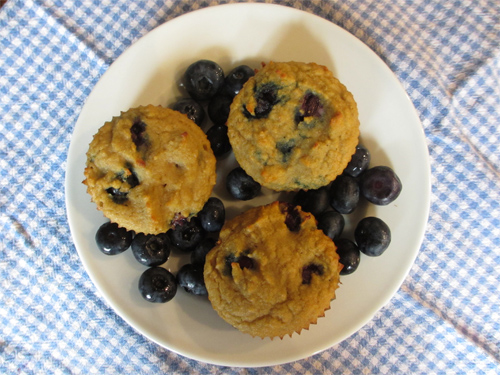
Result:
[
  {"x": 293, "y": 126},
  {"x": 273, "y": 272},
  {"x": 149, "y": 166}
]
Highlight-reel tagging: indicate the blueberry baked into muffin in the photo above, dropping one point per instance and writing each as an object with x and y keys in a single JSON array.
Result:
[
  {"x": 272, "y": 272},
  {"x": 293, "y": 126},
  {"x": 149, "y": 166}
]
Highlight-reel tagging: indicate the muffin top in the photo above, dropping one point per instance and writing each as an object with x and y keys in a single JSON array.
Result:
[
  {"x": 272, "y": 272},
  {"x": 293, "y": 126},
  {"x": 149, "y": 166}
]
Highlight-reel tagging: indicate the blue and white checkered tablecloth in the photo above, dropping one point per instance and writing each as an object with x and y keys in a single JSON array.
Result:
[{"x": 444, "y": 319}]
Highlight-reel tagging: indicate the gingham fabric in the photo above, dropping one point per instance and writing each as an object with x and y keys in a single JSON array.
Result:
[{"x": 444, "y": 319}]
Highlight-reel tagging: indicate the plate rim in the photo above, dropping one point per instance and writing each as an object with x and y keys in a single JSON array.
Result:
[{"x": 118, "y": 310}]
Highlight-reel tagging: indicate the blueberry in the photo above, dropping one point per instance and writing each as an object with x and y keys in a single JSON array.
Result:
[
  {"x": 372, "y": 235},
  {"x": 219, "y": 140},
  {"x": 178, "y": 219},
  {"x": 344, "y": 194},
  {"x": 310, "y": 270},
  {"x": 218, "y": 109},
  {"x": 129, "y": 176},
  {"x": 228, "y": 264},
  {"x": 311, "y": 107},
  {"x": 191, "y": 108},
  {"x": 286, "y": 149},
  {"x": 212, "y": 215},
  {"x": 313, "y": 201},
  {"x": 241, "y": 185},
  {"x": 203, "y": 79},
  {"x": 349, "y": 255},
  {"x": 293, "y": 220},
  {"x": 138, "y": 133},
  {"x": 331, "y": 223},
  {"x": 380, "y": 185},
  {"x": 186, "y": 234},
  {"x": 243, "y": 261},
  {"x": 151, "y": 250},
  {"x": 117, "y": 196},
  {"x": 266, "y": 97},
  {"x": 190, "y": 277},
  {"x": 112, "y": 240},
  {"x": 156, "y": 284},
  {"x": 201, "y": 250},
  {"x": 359, "y": 161},
  {"x": 235, "y": 80}
]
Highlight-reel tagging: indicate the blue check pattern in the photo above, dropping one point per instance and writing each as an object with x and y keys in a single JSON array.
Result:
[{"x": 445, "y": 319}]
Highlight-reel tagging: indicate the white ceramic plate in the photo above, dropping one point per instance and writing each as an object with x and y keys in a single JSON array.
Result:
[{"x": 149, "y": 72}]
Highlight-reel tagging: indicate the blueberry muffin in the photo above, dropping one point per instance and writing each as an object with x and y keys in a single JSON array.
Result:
[
  {"x": 272, "y": 272},
  {"x": 148, "y": 167},
  {"x": 293, "y": 126}
]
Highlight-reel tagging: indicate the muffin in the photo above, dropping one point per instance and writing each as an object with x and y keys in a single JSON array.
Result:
[
  {"x": 149, "y": 167},
  {"x": 293, "y": 126},
  {"x": 272, "y": 272}
]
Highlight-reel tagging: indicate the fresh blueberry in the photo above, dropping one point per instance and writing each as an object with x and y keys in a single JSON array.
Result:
[
  {"x": 372, "y": 235},
  {"x": 191, "y": 108},
  {"x": 190, "y": 277},
  {"x": 344, "y": 194},
  {"x": 314, "y": 201},
  {"x": 218, "y": 109},
  {"x": 235, "y": 80},
  {"x": 380, "y": 185},
  {"x": 151, "y": 250},
  {"x": 157, "y": 284},
  {"x": 212, "y": 215},
  {"x": 186, "y": 234},
  {"x": 349, "y": 255},
  {"x": 203, "y": 79},
  {"x": 201, "y": 250},
  {"x": 359, "y": 162},
  {"x": 331, "y": 223},
  {"x": 241, "y": 185},
  {"x": 112, "y": 240},
  {"x": 219, "y": 140}
]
